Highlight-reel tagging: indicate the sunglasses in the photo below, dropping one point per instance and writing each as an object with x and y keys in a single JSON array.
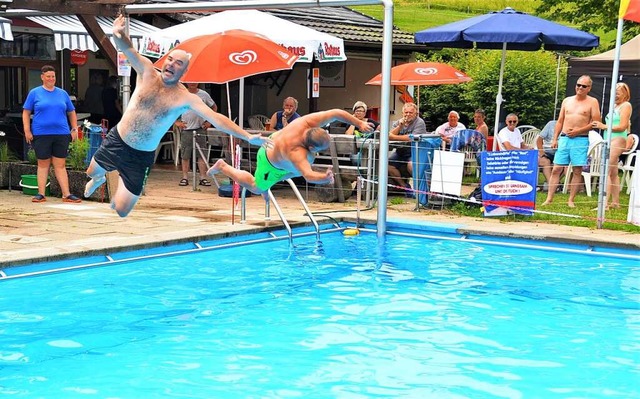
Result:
[
  {"x": 510, "y": 122},
  {"x": 581, "y": 86}
]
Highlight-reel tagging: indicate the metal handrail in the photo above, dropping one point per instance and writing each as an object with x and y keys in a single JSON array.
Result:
[
  {"x": 272, "y": 198},
  {"x": 306, "y": 208}
]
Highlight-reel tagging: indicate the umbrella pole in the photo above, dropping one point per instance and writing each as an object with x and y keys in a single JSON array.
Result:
[{"x": 499, "y": 97}]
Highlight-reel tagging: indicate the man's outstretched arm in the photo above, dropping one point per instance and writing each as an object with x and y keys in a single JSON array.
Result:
[
  {"x": 123, "y": 43},
  {"x": 225, "y": 124}
]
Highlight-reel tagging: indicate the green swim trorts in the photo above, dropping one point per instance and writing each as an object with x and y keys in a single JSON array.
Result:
[{"x": 266, "y": 174}]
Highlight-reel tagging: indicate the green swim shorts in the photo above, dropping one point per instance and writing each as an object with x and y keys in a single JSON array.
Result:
[{"x": 266, "y": 174}]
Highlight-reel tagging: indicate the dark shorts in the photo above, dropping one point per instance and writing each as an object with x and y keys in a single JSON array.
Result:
[
  {"x": 400, "y": 160},
  {"x": 51, "y": 145},
  {"x": 133, "y": 165},
  {"x": 549, "y": 155},
  {"x": 186, "y": 143}
]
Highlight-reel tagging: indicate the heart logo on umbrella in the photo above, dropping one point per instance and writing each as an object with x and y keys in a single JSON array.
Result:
[
  {"x": 426, "y": 71},
  {"x": 244, "y": 58}
]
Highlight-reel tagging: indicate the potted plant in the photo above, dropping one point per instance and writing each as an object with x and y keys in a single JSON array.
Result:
[{"x": 6, "y": 158}]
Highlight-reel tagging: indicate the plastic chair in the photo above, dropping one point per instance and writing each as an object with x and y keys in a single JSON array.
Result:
[
  {"x": 529, "y": 137},
  {"x": 170, "y": 147},
  {"x": 258, "y": 121},
  {"x": 629, "y": 165}
]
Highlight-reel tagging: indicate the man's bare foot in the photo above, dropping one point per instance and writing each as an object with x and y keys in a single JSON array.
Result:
[
  {"x": 217, "y": 167},
  {"x": 614, "y": 206},
  {"x": 92, "y": 185},
  {"x": 570, "y": 204},
  {"x": 547, "y": 202}
]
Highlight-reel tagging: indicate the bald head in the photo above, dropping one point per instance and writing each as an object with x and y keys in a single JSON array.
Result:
[{"x": 175, "y": 65}]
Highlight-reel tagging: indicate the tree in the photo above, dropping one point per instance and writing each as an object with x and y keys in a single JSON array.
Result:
[{"x": 588, "y": 15}]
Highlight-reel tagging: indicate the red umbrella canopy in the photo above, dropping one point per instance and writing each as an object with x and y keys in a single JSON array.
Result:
[
  {"x": 423, "y": 74},
  {"x": 231, "y": 55}
]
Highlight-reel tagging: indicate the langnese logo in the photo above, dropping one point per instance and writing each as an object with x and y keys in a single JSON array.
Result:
[
  {"x": 244, "y": 58},
  {"x": 426, "y": 71}
]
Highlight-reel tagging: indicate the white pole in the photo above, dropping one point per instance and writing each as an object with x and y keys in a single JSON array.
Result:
[
  {"x": 499, "y": 97},
  {"x": 604, "y": 169}
]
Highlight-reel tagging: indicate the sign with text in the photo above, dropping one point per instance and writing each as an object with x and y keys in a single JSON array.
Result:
[{"x": 509, "y": 180}]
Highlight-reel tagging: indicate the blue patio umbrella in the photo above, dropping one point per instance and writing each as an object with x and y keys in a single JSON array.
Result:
[{"x": 507, "y": 30}]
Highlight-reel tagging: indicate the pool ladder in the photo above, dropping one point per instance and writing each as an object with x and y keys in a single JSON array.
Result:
[{"x": 272, "y": 199}]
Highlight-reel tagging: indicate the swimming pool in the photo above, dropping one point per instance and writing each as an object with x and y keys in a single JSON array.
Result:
[{"x": 445, "y": 317}]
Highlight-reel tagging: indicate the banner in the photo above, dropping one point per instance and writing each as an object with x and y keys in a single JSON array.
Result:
[
  {"x": 630, "y": 10},
  {"x": 509, "y": 180}
]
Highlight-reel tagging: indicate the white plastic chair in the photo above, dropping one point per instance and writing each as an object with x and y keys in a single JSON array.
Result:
[
  {"x": 258, "y": 121},
  {"x": 629, "y": 166},
  {"x": 170, "y": 147},
  {"x": 529, "y": 137}
]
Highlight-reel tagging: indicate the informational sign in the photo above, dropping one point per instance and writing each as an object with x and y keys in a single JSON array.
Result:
[
  {"x": 509, "y": 180},
  {"x": 124, "y": 66},
  {"x": 448, "y": 167},
  {"x": 315, "y": 83}
]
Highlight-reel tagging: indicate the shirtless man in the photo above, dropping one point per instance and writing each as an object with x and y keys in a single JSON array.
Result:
[
  {"x": 292, "y": 153},
  {"x": 158, "y": 100},
  {"x": 571, "y": 137}
]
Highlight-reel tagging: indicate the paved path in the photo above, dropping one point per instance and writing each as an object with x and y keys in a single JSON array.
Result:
[{"x": 170, "y": 214}]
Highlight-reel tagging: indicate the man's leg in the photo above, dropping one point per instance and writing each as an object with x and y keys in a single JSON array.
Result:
[
  {"x": 545, "y": 167},
  {"x": 554, "y": 179},
  {"x": 97, "y": 174},
  {"x": 396, "y": 176},
  {"x": 123, "y": 201},
  {"x": 244, "y": 178},
  {"x": 576, "y": 183},
  {"x": 60, "y": 170}
]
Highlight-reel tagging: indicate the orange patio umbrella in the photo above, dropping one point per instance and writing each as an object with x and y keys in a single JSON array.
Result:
[
  {"x": 231, "y": 55},
  {"x": 423, "y": 74}
]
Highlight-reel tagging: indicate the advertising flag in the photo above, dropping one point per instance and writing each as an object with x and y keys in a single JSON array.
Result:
[{"x": 630, "y": 10}]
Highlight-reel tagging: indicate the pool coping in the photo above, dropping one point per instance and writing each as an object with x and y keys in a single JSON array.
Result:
[{"x": 191, "y": 237}]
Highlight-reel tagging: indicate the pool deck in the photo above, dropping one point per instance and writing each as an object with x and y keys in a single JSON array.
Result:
[{"x": 168, "y": 213}]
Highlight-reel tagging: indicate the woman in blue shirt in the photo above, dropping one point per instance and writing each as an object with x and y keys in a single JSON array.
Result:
[{"x": 48, "y": 131}]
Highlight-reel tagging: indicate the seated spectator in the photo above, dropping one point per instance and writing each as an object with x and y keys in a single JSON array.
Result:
[
  {"x": 360, "y": 112},
  {"x": 546, "y": 153},
  {"x": 400, "y": 167},
  {"x": 288, "y": 114},
  {"x": 479, "y": 119},
  {"x": 510, "y": 138},
  {"x": 449, "y": 129}
]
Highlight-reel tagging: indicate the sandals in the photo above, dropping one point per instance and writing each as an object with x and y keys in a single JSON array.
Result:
[
  {"x": 72, "y": 199},
  {"x": 205, "y": 182},
  {"x": 184, "y": 182},
  {"x": 39, "y": 198}
]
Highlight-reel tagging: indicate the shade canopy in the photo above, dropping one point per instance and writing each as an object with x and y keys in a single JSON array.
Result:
[
  {"x": 231, "y": 55},
  {"x": 506, "y": 29},
  {"x": 300, "y": 40},
  {"x": 423, "y": 74},
  {"x": 69, "y": 33},
  {"x": 518, "y": 30}
]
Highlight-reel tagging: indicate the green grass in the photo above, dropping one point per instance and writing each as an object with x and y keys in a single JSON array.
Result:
[
  {"x": 583, "y": 215},
  {"x": 415, "y": 15}
]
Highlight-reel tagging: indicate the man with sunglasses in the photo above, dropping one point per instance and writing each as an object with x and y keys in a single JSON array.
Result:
[
  {"x": 509, "y": 137},
  {"x": 571, "y": 137}
]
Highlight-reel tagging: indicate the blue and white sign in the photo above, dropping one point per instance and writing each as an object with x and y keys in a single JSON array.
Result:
[{"x": 509, "y": 180}]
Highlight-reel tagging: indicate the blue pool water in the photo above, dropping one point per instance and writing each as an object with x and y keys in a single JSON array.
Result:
[{"x": 420, "y": 318}]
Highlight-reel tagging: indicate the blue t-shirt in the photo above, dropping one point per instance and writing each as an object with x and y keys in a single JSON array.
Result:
[{"x": 49, "y": 110}]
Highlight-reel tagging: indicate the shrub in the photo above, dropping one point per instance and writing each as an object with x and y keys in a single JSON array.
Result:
[
  {"x": 78, "y": 150},
  {"x": 6, "y": 155}
]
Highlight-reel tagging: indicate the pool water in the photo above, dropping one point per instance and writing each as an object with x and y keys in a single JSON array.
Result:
[{"x": 419, "y": 319}]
